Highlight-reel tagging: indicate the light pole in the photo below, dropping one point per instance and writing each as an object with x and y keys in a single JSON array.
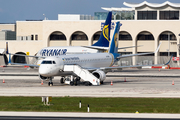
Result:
[{"x": 44, "y": 17}]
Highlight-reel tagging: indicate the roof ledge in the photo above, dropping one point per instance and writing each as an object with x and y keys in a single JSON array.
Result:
[{"x": 154, "y": 5}]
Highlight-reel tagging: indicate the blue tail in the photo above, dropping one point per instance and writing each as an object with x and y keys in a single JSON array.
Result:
[
  {"x": 114, "y": 43},
  {"x": 105, "y": 34}
]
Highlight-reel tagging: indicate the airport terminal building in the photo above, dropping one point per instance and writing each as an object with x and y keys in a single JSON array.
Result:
[{"x": 144, "y": 23}]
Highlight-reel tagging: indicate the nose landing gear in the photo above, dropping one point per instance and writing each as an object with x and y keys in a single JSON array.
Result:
[{"x": 50, "y": 83}]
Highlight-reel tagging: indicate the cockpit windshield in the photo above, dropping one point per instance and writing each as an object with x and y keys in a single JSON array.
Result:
[{"x": 46, "y": 62}]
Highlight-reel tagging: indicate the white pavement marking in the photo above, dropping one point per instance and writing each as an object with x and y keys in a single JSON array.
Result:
[{"x": 102, "y": 115}]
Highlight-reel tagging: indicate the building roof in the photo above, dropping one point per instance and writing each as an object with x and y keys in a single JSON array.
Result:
[
  {"x": 154, "y": 5},
  {"x": 118, "y": 9}
]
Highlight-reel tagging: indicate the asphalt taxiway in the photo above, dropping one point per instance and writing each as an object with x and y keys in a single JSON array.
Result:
[{"x": 127, "y": 83}]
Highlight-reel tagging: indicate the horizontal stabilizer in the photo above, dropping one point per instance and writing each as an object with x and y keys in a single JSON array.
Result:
[
  {"x": 130, "y": 55},
  {"x": 130, "y": 47}
]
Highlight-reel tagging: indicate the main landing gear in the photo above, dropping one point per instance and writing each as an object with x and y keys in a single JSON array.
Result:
[
  {"x": 75, "y": 81},
  {"x": 62, "y": 80}
]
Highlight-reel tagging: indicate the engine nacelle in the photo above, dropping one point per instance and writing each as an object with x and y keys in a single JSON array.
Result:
[
  {"x": 43, "y": 78},
  {"x": 99, "y": 74}
]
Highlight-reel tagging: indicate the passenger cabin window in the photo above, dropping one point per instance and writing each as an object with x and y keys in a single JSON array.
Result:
[
  {"x": 46, "y": 62},
  {"x": 54, "y": 62}
]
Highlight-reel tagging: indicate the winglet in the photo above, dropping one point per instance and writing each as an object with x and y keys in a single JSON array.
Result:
[
  {"x": 7, "y": 52},
  {"x": 9, "y": 58},
  {"x": 158, "y": 48},
  {"x": 169, "y": 60}
]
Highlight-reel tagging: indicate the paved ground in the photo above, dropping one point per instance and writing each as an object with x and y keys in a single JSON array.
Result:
[
  {"x": 157, "y": 84},
  {"x": 139, "y": 83}
]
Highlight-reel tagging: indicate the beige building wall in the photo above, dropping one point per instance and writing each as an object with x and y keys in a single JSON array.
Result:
[
  {"x": 11, "y": 27},
  {"x": 44, "y": 29}
]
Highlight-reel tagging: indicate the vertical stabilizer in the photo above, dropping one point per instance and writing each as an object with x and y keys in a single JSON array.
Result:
[
  {"x": 105, "y": 34},
  {"x": 114, "y": 43}
]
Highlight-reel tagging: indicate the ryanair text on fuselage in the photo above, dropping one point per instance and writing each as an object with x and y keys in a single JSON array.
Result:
[{"x": 53, "y": 52}]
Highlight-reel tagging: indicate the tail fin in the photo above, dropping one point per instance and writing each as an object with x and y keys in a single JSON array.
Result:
[
  {"x": 7, "y": 52},
  {"x": 114, "y": 43},
  {"x": 105, "y": 34}
]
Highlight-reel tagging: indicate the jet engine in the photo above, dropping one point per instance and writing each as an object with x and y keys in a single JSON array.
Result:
[
  {"x": 43, "y": 78},
  {"x": 100, "y": 75}
]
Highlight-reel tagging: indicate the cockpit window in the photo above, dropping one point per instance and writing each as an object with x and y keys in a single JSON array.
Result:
[
  {"x": 54, "y": 62},
  {"x": 46, "y": 62}
]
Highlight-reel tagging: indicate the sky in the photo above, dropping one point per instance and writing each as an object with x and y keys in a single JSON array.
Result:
[{"x": 20, "y": 10}]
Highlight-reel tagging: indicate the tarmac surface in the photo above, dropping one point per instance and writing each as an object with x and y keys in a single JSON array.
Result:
[
  {"x": 139, "y": 83},
  {"x": 127, "y": 83}
]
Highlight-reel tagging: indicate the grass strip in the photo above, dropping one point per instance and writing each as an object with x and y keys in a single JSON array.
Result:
[{"x": 71, "y": 104}]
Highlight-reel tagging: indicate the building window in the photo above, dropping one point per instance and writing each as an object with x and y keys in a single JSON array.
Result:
[
  {"x": 145, "y": 37},
  {"x": 57, "y": 36},
  {"x": 147, "y": 15},
  {"x": 125, "y": 37},
  {"x": 79, "y": 36},
  {"x": 169, "y": 15},
  {"x": 36, "y": 37},
  {"x": 22, "y": 38},
  {"x": 167, "y": 37},
  {"x": 32, "y": 37}
]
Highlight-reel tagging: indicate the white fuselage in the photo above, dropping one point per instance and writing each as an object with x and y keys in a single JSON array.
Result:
[
  {"x": 88, "y": 61},
  {"x": 65, "y": 50}
]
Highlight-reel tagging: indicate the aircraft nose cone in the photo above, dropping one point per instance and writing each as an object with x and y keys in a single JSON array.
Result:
[{"x": 43, "y": 70}]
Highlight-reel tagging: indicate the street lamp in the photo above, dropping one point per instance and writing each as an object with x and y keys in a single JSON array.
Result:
[{"x": 44, "y": 17}]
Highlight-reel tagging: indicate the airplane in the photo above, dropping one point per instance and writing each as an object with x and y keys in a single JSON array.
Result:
[
  {"x": 92, "y": 67},
  {"x": 102, "y": 45}
]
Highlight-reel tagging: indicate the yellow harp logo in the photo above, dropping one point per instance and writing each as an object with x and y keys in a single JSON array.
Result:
[{"x": 106, "y": 32}]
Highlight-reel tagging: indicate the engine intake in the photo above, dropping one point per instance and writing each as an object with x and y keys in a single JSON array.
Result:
[{"x": 99, "y": 74}]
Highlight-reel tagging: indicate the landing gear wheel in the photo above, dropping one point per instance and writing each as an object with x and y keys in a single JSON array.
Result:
[
  {"x": 101, "y": 82},
  {"x": 50, "y": 83},
  {"x": 62, "y": 80},
  {"x": 78, "y": 82},
  {"x": 71, "y": 83},
  {"x": 75, "y": 82},
  {"x": 88, "y": 84}
]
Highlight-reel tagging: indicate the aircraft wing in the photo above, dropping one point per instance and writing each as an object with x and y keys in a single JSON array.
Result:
[
  {"x": 22, "y": 64},
  {"x": 31, "y": 65},
  {"x": 129, "y": 47},
  {"x": 132, "y": 66},
  {"x": 28, "y": 55},
  {"x": 130, "y": 55},
  {"x": 106, "y": 48},
  {"x": 96, "y": 47}
]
